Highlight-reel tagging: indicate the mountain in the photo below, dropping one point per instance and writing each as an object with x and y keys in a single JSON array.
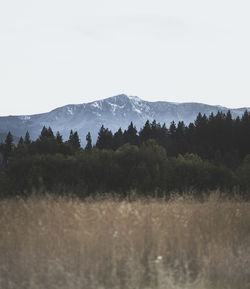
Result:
[{"x": 113, "y": 112}]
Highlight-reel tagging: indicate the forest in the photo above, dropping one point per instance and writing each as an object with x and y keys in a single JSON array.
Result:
[{"x": 211, "y": 153}]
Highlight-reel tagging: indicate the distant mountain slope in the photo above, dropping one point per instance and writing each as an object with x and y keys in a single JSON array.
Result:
[{"x": 112, "y": 112}]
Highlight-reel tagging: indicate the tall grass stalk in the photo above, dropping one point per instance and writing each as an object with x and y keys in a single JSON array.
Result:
[{"x": 179, "y": 244}]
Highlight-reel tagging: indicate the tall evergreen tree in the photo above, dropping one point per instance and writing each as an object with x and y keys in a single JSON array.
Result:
[
  {"x": 8, "y": 144},
  {"x": 74, "y": 140},
  {"x": 21, "y": 142},
  {"x": 50, "y": 133},
  {"x": 155, "y": 129},
  {"x": 71, "y": 136},
  {"x": 46, "y": 133},
  {"x": 172, "y": 129},
  {"x": 201, "y": 120},
  {"x": 118, "y": 140},
  {"x": 145, "y": 132},
  {"x": 130, "y": 135},
  {"x": 27, "y": 140},
  {"x": 162, "y": 135},
  {"x": 105, "y": 138},
  {"x": 88, "y": 146},
  {"x": 59, "y": 138}
]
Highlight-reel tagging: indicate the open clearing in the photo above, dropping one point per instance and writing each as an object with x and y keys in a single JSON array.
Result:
[{"x": 64, "y": 243}]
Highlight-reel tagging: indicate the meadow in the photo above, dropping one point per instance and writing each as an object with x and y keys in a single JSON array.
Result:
[{"x": 105, "y": 243}]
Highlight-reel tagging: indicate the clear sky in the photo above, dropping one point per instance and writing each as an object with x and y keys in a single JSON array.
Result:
[{"x": 56, "y": 52}]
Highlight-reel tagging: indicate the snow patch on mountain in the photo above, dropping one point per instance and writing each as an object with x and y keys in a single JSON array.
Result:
[
  {"x": 114, "y": 107},
  {"x": 25, "y": 117},
  {"x": 96, "y": 104},
  {"x": 136, "y": 109},
  {"x": 113, "y": 112},
  {"x": 70, "y": 110},
  {"x": 135, "y": 98}
]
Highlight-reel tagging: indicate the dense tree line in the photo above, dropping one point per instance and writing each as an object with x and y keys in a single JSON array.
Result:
[
  {"x": 218, "y": 138},
  {"x": 213, "y": 152}
]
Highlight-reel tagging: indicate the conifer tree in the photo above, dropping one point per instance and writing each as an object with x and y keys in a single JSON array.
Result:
[
  {"x": 21, "y": 142},
  {"x": 118, "y": 139},
  {"x": 199, "y": 120},
  {"x": 162, "y": 135},
  {"x": 46, "y": 133},
  {"x": 50, "y": 133},
  {"x": 145, "y": 132},
  {"x": 27, "y": 140},
  {"x": 8, "y": 144},
  {"x": 154, "y": 128},
  {"x": 88, "y": 146},
  {"x": 130, "y": 135},
  {"x": 172, "y": 129},
  {"x": 74, "y": 139},
  {"x": 105, "y": 139},
  {"x": 71, "y": 136},
  {"x": 59, "y": 138}
]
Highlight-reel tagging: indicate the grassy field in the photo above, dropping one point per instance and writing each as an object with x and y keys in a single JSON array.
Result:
[{"x": 67, "y": 244}]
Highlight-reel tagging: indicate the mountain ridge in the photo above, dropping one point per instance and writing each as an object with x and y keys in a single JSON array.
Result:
[{"x": 112, "y": 112}]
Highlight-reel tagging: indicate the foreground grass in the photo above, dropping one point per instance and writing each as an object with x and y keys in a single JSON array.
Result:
[{"x": 68, "y": 244}]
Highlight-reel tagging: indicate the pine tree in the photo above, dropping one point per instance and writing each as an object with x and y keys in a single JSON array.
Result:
[
  {"x": 8, "y": 144},
  {"x": 154, "y": 128},
  {"x": 46, "y": 133},
  {"x": 105, "y": 139},
  {"x": 27, "y": 140},
  {"x": 50, "y": 133},
  {"x": 162, "y": 135},
  {"x": 145, "y": 132},
  {"x": 172, "y": 129},
  {"x": 130, "y": 135},
  {"x": 71, "y": 136},
  {"x": 21, "y": 142},
  {"x": 181, "y": 140},
  {"x": 88, "y": 146},
  {"x": 59, "y": 138},
  {"x": 199, "y": 120},
  {"x": 180, "y": 130},
  {"x": 74, "y": 139},
  {"x": 118, "y": 139}
]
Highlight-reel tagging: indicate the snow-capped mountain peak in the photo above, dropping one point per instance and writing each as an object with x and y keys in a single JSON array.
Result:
[{"x": 113, "y": 112}]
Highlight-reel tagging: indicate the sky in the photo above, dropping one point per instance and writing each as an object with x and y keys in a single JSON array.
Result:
[{"x": 58, "y": 52}]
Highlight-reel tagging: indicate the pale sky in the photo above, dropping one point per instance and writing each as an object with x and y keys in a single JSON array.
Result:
[{"x": 57, "y": 52}]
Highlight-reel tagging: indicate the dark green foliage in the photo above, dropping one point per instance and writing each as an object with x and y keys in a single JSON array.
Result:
[
  {"x": 145, "y": 132},
  {"x": 27, "y": 140},
  {"x": 88, "y": 146},
  {"x": 8, "y": 144},
  {"x": 6, "y": 149},
  {"x": 46, "y": 133},
  {"x": 105, "y": 138},
  {"x": 211, "y": 153},
  {"x": 130, "y": 135},
  {"x": 145, "y": 169},
  {"x": 59, "y": 138},
  {"x": 21, "y": 142},
  {"x": 118, "y": 140},
  {"x": 74, "y": 140}
]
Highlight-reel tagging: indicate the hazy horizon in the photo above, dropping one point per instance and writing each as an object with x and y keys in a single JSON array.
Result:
[{"x": 54, "y": 53}]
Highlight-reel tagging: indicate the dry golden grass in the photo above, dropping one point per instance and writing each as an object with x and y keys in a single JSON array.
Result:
[{"x": 62, "y": 243}]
